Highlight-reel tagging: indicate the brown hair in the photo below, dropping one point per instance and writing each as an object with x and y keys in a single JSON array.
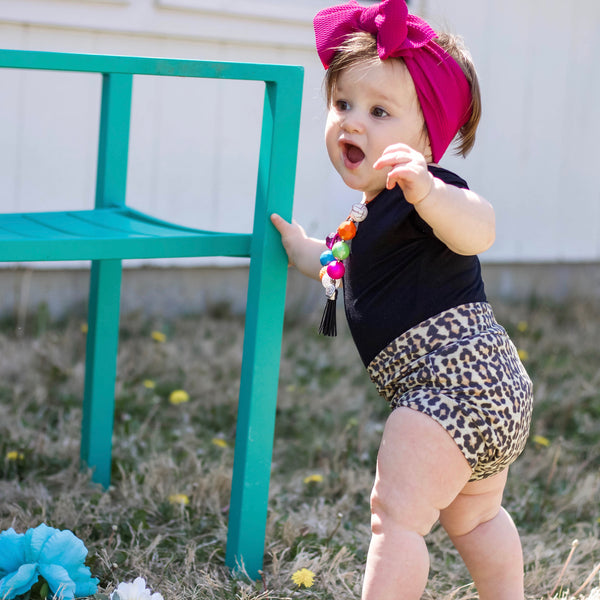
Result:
[{"x": 361, "y": 48}]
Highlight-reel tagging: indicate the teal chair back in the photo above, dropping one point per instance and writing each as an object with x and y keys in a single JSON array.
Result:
[{"x": 112, "y": 231}]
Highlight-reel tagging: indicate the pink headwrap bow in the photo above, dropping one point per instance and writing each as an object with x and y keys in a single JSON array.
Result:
[{"x": 442, "y": 88}]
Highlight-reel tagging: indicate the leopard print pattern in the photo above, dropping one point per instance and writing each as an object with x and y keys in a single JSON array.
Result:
[{"x": 461, "y": 369}]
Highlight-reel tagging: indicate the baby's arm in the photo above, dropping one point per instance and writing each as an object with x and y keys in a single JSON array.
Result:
[
  {"x": 303, "y": 252},
  {"x": 460, "y": 218}
]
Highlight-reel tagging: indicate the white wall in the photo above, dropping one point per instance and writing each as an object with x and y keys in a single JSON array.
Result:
[
  {"x": 194, "y": 147},
  {"x": 194, "y": 144},
  {"x": 535, "y": 159}
]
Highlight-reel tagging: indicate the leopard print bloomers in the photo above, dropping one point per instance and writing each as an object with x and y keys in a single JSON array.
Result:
[{"x": 461, "y": 369}]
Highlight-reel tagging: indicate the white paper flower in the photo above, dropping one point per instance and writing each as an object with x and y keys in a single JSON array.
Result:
[{"x": 134, "y": 591}]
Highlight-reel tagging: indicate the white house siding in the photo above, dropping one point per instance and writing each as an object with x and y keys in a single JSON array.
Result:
[
  {"x": 536, "y": 156},
  {"x": 194, "y": 144}
]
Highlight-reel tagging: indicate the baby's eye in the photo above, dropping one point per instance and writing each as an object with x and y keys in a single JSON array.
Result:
[
  {"x": 341, "y": 105},
  {"x": 379, "y": 112}
]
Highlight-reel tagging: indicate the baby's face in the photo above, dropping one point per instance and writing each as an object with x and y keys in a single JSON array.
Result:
[{"x": 372, "y": 107}]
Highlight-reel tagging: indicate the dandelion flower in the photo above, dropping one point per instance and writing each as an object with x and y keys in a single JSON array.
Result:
[
  {"x": 523, "y": 354},
  {"x": 84, "y": 328},
  {"x": 134, "y": 591},
  {"x": 541, "y": 440},
  {"x": 522, "y": 326},
  {"x": 303, "y": 577},
  {"x": 181, "y": 499},
  {"x": 179, "y": 397},
  {"x": 159, "y": 336},
  {"x": 149, "y": 384},
  {"x": 220, "y": 442},
  {"x": 313, "y": 479},
  {"x": 14, "y": 455}
]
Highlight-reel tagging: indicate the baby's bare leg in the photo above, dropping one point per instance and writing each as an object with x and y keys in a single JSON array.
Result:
[
  {"x": 420, "y": 470},
  {"x": 487, "y": 538}
]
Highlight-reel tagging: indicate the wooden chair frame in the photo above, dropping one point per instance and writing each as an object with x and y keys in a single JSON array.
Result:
[{"x": 112, "y": 232}]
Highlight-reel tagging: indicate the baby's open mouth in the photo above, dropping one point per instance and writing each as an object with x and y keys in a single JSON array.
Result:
[{"x": 353, "y": 154}]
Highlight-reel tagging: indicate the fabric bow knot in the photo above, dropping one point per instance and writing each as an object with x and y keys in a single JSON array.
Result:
[
  {"x": 442, "y": 88},
  {"x": 397, "y": 31}
]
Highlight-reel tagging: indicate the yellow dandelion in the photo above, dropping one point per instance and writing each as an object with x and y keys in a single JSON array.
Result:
[
  {"x": 313, "y": 479},
  {"x": 180, "y": 499},
  {"x": 541, "y": 440},
  {"x": 84, "y": 328},
  {"x": 159, "y": 336},
  {"x": 523, "y": 354},
  {"x": 179, "y": 397},
  {"x": 522, "y": 326},
  {"x": 14, "y": 455},
  {"x": 149, "y": 384},
  {"x": 303, "y": 577},
  {"x": 220, "y": 442}
]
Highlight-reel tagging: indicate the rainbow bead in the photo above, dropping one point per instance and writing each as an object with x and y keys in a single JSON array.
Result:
[
  {"x": 336, "y": 270},
  {"x": 326, "y": 257},
  {"x": 347, "y": 230},
  {"x": 331, "y": 239},
  {"x": 341, "y": 250}
]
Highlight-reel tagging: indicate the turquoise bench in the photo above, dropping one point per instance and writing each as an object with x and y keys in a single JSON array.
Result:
[{"x": 112, "y": 232}]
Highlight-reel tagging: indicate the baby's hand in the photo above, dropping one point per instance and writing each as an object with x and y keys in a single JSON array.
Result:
[
  {"x": 292, "y": 237},
  {"x": 303, "y": 252},
  {"x": 408, "y": 169}
]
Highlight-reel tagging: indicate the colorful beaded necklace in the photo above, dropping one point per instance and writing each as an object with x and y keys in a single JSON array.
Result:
[{"x": 332, "y": 261}]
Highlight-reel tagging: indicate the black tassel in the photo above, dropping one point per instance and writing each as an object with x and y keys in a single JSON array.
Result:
[{"x": 328, "y": 321}]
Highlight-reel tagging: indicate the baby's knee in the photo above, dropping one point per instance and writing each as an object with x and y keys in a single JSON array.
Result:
[
  {"x": 401, "y": 511},
  {"x": 461, "y": 518},
  {"x": 479, "y": 502}
]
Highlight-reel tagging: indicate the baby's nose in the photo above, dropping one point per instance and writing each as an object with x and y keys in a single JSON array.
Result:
[{"x": 352, "y": 123}]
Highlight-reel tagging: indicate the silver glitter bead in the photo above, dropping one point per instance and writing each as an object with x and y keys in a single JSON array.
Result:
[{"x": 359, "y": 212}]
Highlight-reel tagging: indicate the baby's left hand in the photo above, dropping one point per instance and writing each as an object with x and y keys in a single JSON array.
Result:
[{"x": 408, "y": 170}]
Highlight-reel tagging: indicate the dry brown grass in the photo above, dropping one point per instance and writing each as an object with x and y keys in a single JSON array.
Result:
[{"x": 329, "y": 422}]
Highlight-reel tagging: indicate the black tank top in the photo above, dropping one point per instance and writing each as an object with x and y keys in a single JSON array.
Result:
[{"x": 399, "y": 274}]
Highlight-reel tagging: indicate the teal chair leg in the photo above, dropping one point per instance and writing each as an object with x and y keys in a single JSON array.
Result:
[
  {"x": 256, "y": 421},
  {"x": 263, "y": 333},
  {"x": 101, "y": 368}
]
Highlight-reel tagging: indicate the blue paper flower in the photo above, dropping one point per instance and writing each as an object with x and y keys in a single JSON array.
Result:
[{"x": 58, "y": 556}]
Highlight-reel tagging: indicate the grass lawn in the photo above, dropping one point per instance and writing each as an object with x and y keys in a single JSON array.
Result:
[{"x": 165, "y": 517}]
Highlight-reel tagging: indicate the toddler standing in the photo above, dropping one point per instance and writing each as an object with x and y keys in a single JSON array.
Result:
[{"x": 398, "y": 94}]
